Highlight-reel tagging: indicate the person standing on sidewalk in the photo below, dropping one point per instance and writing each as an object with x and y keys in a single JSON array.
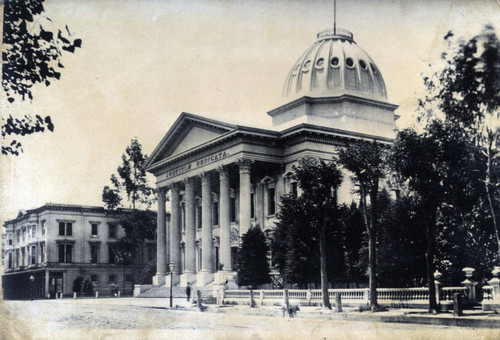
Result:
[{"x": 188, "y": 292}]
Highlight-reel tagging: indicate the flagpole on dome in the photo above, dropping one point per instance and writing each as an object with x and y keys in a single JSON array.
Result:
[{"x": 335, "y": 17}]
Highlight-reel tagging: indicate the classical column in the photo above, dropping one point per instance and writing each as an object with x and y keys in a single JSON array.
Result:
[
  {"x": 190, "y": 233},
  {"x": 225, "y": 220},
  {"x": 161, "y": 250},
  {"x": 175, "y": 226},
  {"x": 206, "y": 222},
  {"x": 244, "y": 220}
]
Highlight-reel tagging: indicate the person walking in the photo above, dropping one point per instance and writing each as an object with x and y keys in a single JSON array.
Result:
[{"x": 188, "y": 292}]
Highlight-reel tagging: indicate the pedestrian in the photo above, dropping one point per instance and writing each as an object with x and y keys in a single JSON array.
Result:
[{"x": 188, "y": 292}]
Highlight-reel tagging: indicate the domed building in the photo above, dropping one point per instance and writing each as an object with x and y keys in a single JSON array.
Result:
[{"x": 223, "y": 178}]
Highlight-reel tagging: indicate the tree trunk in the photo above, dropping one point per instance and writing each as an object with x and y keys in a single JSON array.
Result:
[
  {"x": 489, "y": 194},
  {"x": 372, "y": 246},
  {"x": 430, "y": 228},
  {"x": 324, "y": 274}
]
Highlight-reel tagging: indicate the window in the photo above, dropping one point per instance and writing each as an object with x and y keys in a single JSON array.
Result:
[
  {"x": 252, "y": 205},
  {"x": 24, "y": 234},
  {"x": 10, "y": 239},
  {"x": 65, "y": 229},
  {"x": 112, "y": 230},
  {"x": 94, "y": 253},
  {"x": 112, "y": 278},
  {"x": 233, "y": 209},
  {"x": 129, "y": 278},
  {"x": 42, "y": 253},
  {"x": 215, "y": 213},
  {"x": 18, "y": 259},
  {"x": 198, "y": 216},
  {"x": 94, "y": 278},
  {"x": 65, "y": 253},
  {"x": 33, "y": 231},
  {"x": 94, "y": 229},
  {"x": 111, "y": 253},
  {"x": 29, "y": 232},
  {"x": 293, "y": 188},
  {"x": 9, "y": 263},
  {"x": 33, "y": 255},
  {"x": 151, "y": 252},
  {"x": 18, "y": 233},
  {"x": 271, "y": 201},
  {"x": 23, "y": 254},
  {"x": 43, "y": 227}
]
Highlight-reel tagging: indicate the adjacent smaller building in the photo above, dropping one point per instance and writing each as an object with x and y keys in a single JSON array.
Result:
[{"x": 45, "y": 249}]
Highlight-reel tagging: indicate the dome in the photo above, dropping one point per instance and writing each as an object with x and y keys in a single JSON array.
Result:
[{"x": 333, "y": 66}]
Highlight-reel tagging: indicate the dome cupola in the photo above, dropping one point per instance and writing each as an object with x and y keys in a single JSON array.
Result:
[{"x": 334, "y": 65}]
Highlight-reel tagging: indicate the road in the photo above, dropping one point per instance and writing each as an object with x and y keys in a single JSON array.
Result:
[{"x": 129, "y": 318}]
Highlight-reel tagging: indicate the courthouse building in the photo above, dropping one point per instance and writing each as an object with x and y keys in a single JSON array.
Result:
[
  {"x": 223, "y": 178},
  {"x": 56, "y": 243}
]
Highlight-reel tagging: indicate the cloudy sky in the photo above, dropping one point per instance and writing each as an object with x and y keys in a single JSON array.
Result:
[{"x": 142, "y": 63}]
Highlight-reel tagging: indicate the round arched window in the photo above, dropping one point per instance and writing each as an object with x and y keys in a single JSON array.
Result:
[
  {"x": 335, "y": 61},
  {"x": 306, "y": 66},
  {"x": 320, "y": 62},
  {"x": 349, "y": 62},
  {"x": 362, "y": 64},
  {"x": 374, "y": 69}
]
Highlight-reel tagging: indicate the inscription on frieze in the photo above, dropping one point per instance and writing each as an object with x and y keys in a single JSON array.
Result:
[{"x": 196, "y": 164}]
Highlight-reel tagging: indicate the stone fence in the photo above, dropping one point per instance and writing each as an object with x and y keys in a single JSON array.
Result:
[{"x": 392, "y": 297}]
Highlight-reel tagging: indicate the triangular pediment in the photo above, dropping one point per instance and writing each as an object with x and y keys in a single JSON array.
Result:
[{"x": 187, "y": 133}]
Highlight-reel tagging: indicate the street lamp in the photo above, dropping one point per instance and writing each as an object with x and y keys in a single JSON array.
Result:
[
  {"x": 32, "y": 280},
  {"x": 171, "y": 267}
]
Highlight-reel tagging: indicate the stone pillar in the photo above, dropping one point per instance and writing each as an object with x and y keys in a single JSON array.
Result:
[
  {"x": 225, "y": 220},
  {"x": 206, "y": 274},
  {"x": 470, "y": 284},
  {"x": 244, "y": 220},
  {"x": 189, "y": 274},
  {"x": 175, "y": 237},
  {"x": 161, "y": 250}
]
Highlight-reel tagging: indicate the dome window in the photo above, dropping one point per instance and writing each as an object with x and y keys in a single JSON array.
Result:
[
  {"x": 349, "y": 62},
  {"x": 320, "y": 62},
  {"x": 374, "y": 69},
  {"x": 362, "y": 64},
  {"x": 335, "y": 61},
  {"x": 306, "y": 66}
]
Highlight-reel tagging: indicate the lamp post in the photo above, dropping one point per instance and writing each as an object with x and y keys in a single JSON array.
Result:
[
  {"x": 171, "y": 268},
  {"x": 32, "y": 280}
]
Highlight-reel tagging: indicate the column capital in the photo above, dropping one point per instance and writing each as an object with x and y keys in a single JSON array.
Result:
[
  {"x": 188, "y": 182},
  {"x": 223, "y": 171},
  {"x": 244, "y": 164},
  {"x": 205, "y": 177},
  {"x": 174, "y": 187},
  {"x": 161, "y": 190}
]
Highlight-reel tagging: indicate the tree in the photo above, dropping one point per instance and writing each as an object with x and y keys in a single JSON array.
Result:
[
  {"x": 131, "y": 185},
  {"x": 467, "y": 92},
  {"x": 367, "y": 162},
  {"x": 31, "y": 55},
  {"x": 319, "y": 181},
  {"x": 252, "y": 264},
  {"x": 435, "y": 163}
]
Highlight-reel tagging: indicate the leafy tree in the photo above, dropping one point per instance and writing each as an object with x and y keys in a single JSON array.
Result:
[
  {"x": 467, "y": 92},
  {"x": 31, "y": 55},
  {"x": 253, "y": 265},
  {"x": 436, "y": 165},
  {"x": 130, "y": 185},
  {"x": 367, "y": 162},
  {"x": 131, "y": 182},
  {"x": 319, "y": 181},
  {"x": 77, "y": 284}
]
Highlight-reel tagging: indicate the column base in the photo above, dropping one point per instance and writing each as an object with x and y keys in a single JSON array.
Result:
[
  {"x": 176, "y": 278},
  {"x": 186, "y": 278},
  {"x": 202, "y": 278},
  {"x": 222, "y": 276},
  {"x": 159, "y": 279}
]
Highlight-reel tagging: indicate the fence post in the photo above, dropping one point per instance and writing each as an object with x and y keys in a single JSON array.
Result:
[
  {"x": 96, "y": 294},
  {"x": 74, "y": 295},
  {"x": 262, "y": 298},
  {"x": 118, "y": 293},
  {"x": 366, "y": 296},
  {"x": 198, "y": 299},
  {"x": 338, "y": 302},
  {"x": 308, "y": 296},
  {"x": 286, "y": 301},
  {"x": 252, "y": 302},
  {"x": 457, "y": 305}
]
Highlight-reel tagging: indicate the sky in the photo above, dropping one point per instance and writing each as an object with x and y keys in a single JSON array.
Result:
[{"x": 142, "y": 63}]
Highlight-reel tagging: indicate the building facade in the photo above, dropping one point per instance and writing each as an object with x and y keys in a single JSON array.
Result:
[
  {"x": 224, "y": 178},
  {"x": 56, "y": 243}
]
